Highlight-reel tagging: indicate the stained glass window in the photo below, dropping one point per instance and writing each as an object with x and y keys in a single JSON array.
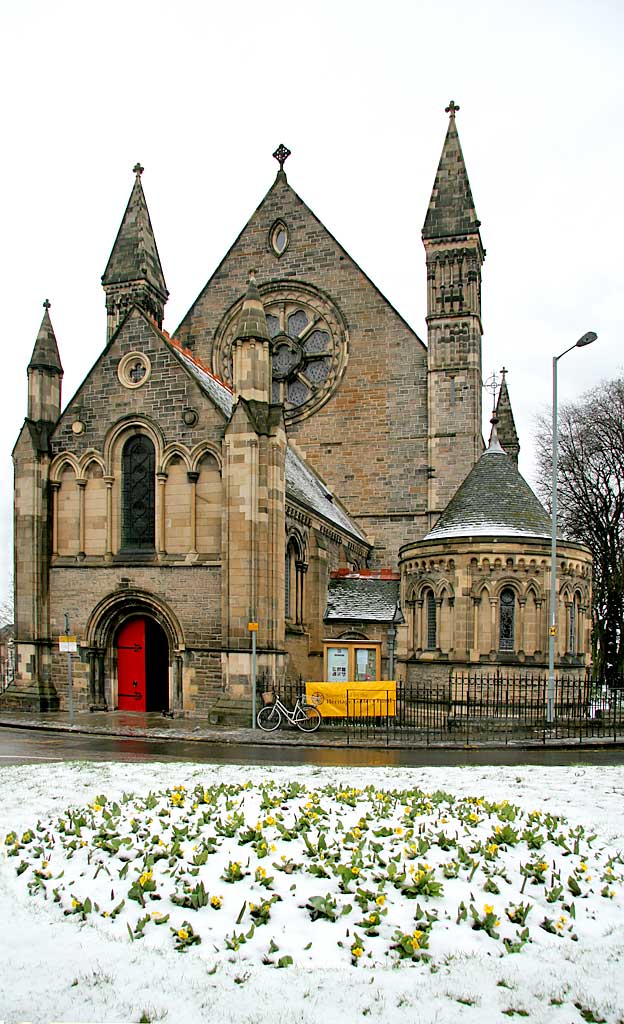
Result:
[
  {"x": 138, "y": 468},
  {"x": 507, "y": 606},
  {"x": 316, "y": 342},
  {"x": 431, "y": 621},
  {"x": 296, "y": 323}
]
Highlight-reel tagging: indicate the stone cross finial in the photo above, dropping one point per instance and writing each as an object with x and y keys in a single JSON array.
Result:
[
  {"x": 47, "y": 304},
  {"x": 452, "y": 109},
  {"x": 138, "y": 170},
  {"x": 504, "y": 373},
  {"x": 281, "y": 154}
]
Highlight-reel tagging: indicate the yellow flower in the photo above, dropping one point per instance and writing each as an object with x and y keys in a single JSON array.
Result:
[
  {"x": 355, "y": 870},
  {"x": 492, "y": 848},
  {"x": 270, "y": 820},
  {"x": 260, "y": 872},
  {"x": 145, "y": 878},
  {"x": 252, "y": 907},
  {"x": 105, "y": 914},
  {"x": 583, "y": 866},
  {"x": 488, "y": 908},
  {"x": 381, "y": 899},
  {"x": 215, "y": 901},
  {"x": 183, "y": 934},
  {"x": 473, "y": 817},
  {"x": 356, "y": 951},
  {"x": 75, "y": 903},
  {"x": 399, "y": 831}
]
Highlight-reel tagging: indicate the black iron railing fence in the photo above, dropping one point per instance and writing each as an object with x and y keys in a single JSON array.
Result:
[{"x": 482, "y": 708}]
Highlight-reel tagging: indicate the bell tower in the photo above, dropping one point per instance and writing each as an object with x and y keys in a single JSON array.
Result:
[{"x": 454, "y": 255}]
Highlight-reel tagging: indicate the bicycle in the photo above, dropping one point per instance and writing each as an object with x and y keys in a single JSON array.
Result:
[{"x": 305, "y": 716}]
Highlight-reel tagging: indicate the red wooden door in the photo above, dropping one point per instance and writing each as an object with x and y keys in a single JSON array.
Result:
[{"x": 131, "y": 666}]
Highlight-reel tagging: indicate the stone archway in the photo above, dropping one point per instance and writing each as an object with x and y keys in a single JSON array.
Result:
[{"x": 151, "y": 635}]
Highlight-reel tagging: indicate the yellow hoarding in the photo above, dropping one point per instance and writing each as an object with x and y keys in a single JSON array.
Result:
[{"x": 353, "y": 700}]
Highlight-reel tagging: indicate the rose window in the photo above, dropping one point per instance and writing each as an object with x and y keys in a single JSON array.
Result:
[{"x": 308, "y": 347}]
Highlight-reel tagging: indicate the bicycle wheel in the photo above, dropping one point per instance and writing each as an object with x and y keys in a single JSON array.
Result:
[
  {"x": 310, "y": 720},
  {"x": 269, "y": 718}
]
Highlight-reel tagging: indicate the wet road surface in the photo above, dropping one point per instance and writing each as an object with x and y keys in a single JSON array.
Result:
[{"x": 25, "y": 746}]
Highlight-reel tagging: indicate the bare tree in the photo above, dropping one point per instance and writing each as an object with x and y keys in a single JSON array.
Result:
[
  {"x": 6, "y": 606},
  {"x": 590, "y": 498}
]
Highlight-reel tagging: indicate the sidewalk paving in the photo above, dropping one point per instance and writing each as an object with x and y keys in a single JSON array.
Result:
[{"x": 154, "y": 725}]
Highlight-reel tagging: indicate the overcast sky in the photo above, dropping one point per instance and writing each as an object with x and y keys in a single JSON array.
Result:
[{"x": 202, "y": 93}]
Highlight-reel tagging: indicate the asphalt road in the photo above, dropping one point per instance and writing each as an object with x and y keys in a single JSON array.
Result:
[{"x": 33, "y": 746}]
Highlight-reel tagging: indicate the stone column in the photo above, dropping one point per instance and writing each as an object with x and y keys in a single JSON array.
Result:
[
  {"x": 82, "y": 485},
  {"x": 193, "y": 477},
  {"x": 109, "y": 481},
  {"x": 55, "y": 500},
  {"x": 160, "y": 514}
]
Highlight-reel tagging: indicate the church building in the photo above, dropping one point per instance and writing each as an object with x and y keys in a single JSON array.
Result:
[{"x": 292, "y": 458}]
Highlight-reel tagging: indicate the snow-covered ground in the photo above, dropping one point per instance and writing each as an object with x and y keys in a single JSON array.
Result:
[{"x": 247, "y": 895}]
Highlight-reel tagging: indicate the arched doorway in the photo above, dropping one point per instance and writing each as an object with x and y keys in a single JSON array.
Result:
[{"x": 142, "y": 653}]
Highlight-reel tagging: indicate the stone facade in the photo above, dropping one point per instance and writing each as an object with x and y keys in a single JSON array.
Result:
[{"x": 205, "y": 488}]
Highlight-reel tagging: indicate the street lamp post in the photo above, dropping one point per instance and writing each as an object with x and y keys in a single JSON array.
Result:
[{"x": 587, "y": 339}]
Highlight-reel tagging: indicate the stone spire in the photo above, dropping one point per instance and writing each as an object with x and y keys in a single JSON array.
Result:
[
  {"x": 45, "y": 374},
  {"x": 134, "y": 273},
  {"x": 251, "y": 349},
  {"x": 451, "y": 209},
  {"x": 507, "y": 433}
]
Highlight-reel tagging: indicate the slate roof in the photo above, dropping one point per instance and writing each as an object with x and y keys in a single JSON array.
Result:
[
  {"x": 451, "y": 207},
  {"x": 493, "y": 501},
  {"x": 45, "y": 354},
  {"x": 361, "y": 599},
  {"x": 134, "y": 256},
  {"x": 304, "y": 486}
]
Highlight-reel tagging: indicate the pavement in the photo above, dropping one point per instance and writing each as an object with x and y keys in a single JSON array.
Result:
[{"x": 155, "y": 725}]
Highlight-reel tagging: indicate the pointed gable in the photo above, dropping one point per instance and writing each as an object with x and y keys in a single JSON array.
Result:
[
  {"x": 45, "y": 354},
  {"x": 451, "y": 209},
  {"x": 134, "y": 256}
]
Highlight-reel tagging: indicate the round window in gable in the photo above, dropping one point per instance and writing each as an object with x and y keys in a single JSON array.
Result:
[
  {"x": 134, "y": 370},
  {"x": 278, "y": 238}
]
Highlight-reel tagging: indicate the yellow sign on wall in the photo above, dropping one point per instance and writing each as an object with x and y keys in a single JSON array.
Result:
[{"x": 353, "y": 700}]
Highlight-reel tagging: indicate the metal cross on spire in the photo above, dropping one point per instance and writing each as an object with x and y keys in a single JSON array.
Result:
[
  {"x": 281, "y": 154},
  {"x": 138, "y": 170},
  {"x": 452, "y": 109},
  {"x": 491, "y": 385},
  {"x": 46, "y": 304},
  {"x": 504, "y": 373}
]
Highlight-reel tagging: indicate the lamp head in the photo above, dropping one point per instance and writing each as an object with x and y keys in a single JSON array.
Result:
[{"x": 586, "y": 339}]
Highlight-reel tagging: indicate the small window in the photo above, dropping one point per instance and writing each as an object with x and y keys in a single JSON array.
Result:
[
  {"x": 430, "y": 606},
  {"x": 278, "y": 238},
  {"x": 507, "y": 608}
]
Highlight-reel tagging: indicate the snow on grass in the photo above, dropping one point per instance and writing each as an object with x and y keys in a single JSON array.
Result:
[{"x": 230, "y": 894}]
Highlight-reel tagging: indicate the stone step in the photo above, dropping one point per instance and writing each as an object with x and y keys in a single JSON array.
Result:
[{"x": 29, "y": 699}]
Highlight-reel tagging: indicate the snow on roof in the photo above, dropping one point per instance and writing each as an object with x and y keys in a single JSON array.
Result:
[{"x": 362, "y": 599}]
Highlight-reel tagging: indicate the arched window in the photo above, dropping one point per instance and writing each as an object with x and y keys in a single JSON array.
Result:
[
  {"x": 294, "y": 571},
  {"x": 507, "y": 614},
  {"x": 574, "y": 644},
  {"x": 138, "y": 469},
  {"x": 430, "y": 611}
]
